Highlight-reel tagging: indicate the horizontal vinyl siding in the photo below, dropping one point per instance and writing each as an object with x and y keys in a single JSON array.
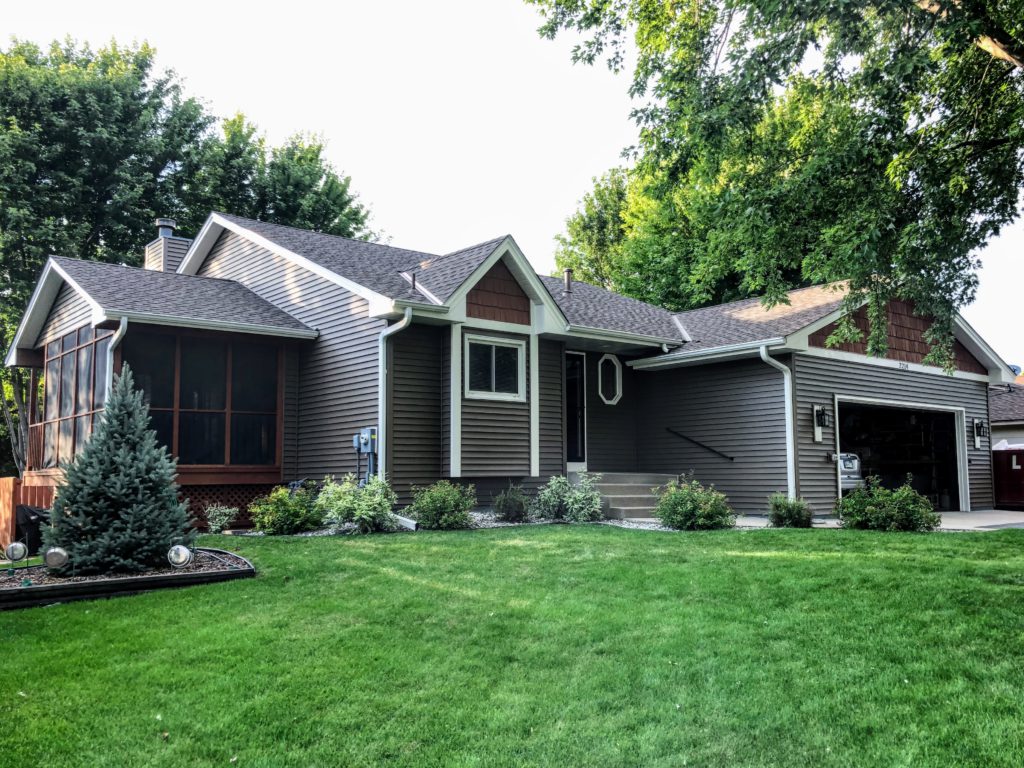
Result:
[
  {"x": 290, "y": 419},
  {"x": 69, "y": 311},
  {"x": 551, "y": 391},
  {"x": 337, "y": 382},
  {"x": 737, "y": 408},
  {"x": 818, "y": 379},
  {"x": 414, "y": 435},
  {"x": 612, "y": 429},
  {"x": 495, "y": 433}
]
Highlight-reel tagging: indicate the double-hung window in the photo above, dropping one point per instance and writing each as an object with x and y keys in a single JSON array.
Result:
[{"x": 495, "y": 368}]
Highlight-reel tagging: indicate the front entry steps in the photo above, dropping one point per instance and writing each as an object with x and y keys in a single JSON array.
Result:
[{"x": 630, "y": 494}]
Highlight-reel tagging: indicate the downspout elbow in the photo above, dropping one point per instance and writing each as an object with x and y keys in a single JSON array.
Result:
[
  {"x": 787, "y": 383},
  {"x": 115, "y": 342},
  {"x": 382, "y": 387}
]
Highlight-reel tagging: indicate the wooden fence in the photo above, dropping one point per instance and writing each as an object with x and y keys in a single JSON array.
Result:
[{"x": 13, "y": 493}]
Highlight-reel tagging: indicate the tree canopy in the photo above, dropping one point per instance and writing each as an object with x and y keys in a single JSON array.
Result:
[
  {"x": 95, "y": 144},
  {"x": 783, "y": 144}
]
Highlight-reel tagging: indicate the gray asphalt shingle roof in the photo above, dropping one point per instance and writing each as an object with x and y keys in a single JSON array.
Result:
[
  {"x": 590, "y": 306},
  {"x": 120, "y": 289},
  {"x": 747, "y": 321},
  {"x": 1006, "y": 403},
  {"x": 371, "y": 265},
  {"x": 442, "y": 275}
]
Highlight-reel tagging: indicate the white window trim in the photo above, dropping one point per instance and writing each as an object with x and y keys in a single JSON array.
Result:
[
  {"x": 518, "y": 344},
  {"x": 618, "y": 380}
]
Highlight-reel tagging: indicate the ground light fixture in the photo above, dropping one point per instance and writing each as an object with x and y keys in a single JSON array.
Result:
[
  {"x": 179, "y": 555},
  {"x": 55, "y": 557},
  {"x": 16, "y": 551}
]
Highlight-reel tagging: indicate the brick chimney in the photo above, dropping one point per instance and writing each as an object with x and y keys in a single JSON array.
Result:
[{"x": 166, "y": 252}]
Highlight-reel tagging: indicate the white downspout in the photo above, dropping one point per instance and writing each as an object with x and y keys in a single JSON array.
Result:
[
  {"x": 382, "y": 387},
  {"x": 787, "y": 383},
  {"x": 115, "y": 342}
]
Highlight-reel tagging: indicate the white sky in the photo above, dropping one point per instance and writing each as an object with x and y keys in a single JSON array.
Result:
[{"x": 455, "y": 120}]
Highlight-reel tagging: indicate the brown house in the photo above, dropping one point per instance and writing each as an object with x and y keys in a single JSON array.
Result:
[{"x": 264, "y": 349}]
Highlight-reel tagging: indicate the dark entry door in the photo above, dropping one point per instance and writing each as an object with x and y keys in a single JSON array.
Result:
[{"x": 575, "y": 409}]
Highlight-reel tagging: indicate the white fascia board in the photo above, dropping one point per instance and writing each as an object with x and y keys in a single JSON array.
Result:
[
  {"x": 114, "y": 315},
  {"x": 746, "y": 349},
  {"x": 216, "y": 223},
  {"x": 999, "y": 370},
  {"x": 39, "y": 308}
]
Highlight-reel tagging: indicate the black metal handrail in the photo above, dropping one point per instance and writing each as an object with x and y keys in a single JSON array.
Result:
[{"x": 699, "y": 444}]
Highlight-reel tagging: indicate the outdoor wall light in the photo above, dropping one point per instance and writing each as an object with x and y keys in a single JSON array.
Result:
[
  {"x": 16, "y": 551},
  {"x": 55, "y": 557},
  {"x": 179, "y": 556}
]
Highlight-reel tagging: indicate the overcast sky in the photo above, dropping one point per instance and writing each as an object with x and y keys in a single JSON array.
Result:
[{"x": 455, "y": 120}]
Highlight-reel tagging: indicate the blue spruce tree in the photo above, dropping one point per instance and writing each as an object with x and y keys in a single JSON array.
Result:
[{"x": 118, "y": 508}]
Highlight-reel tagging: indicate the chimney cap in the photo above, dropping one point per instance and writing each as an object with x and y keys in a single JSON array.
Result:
[{"x": 165, "y": 227}]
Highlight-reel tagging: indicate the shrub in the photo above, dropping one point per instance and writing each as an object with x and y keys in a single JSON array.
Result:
[
  {"x": 219, "y": 517},
  {"x": 784, "y": 512},
  {"x": 512, "y": 505},
  {"x": 549, "y": 503},
  {"x": 284, "y": 512},
  {"x": 371, "y": 507},
  {"x": 879, "y": 509},
  {"x": 336, "y": 502},
  {"x": 688, "y": 506},
  {"x": 117, "y": 507},
  {"x": 583, "y": 502},
  {"x": 443, "y": 505}
]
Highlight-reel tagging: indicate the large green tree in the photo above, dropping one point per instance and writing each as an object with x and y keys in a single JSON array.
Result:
[
  {"x": 94, "y": 144},
  {"x": 781, "y": 143}
]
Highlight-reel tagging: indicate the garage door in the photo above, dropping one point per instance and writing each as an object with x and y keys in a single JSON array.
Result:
[{"x": 894, "y": 443}]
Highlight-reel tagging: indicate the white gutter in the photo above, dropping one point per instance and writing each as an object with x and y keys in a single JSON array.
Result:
[
  {"x": 177, "y": 321},
  {"x": 115, "y": 342},
  {"x": 787, "y": 383},
  {"x": 382, "y": 388},
  {"x": 714, "y": 353}
]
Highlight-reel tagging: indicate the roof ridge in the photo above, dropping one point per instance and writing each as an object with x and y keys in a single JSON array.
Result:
[
  {"x": 321, "y": 234},
  {"x": 143, "y": 270},
  {"x": 758, "y": 298},
  {"x": 439, "y": 257}
]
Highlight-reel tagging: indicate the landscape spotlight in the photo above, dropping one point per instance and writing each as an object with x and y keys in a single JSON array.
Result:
[
  {"x": 179, "y": 556},
  {"x": 55, "y": 557},
  {"x": 16, "y": 551}
]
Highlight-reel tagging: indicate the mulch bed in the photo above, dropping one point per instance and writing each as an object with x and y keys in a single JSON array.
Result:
[{"x": 208, "y": 566}]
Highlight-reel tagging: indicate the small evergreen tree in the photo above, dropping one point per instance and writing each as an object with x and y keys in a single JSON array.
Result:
[{"x": 118, "y": 508}]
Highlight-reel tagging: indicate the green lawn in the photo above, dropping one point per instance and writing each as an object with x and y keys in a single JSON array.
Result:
[{"x": 583, "y": 645}]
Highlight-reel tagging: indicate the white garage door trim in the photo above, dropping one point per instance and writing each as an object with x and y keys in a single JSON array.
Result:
[{"x": 960, "y": 414}]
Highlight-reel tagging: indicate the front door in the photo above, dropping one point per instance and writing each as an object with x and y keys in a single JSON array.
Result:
[{"x": 575, "y": 412}]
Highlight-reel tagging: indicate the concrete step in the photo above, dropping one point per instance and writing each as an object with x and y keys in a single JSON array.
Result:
[
  {"x": 627, "y": 489},
  {"x": 623, "y": 513},
  {"x": 631, "y": 500},
  {"x": 634, "y": 478}
]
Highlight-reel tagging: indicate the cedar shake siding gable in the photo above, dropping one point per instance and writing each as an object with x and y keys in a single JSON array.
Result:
[
  {"x": 817, "y": 380},
  {"x": 334, "y": 393},
  {"x": 906, "y": 338},
  {"x": 737, "y": 408},
  {"x": 70, "y": 310},
  {"x": 498, "y": 296}
]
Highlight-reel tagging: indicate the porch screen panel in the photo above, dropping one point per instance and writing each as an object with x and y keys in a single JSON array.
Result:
[{"x": 74, "y": 375}]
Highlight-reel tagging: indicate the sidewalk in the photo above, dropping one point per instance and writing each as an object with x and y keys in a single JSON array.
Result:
[{"x": 991, "y": 520}]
